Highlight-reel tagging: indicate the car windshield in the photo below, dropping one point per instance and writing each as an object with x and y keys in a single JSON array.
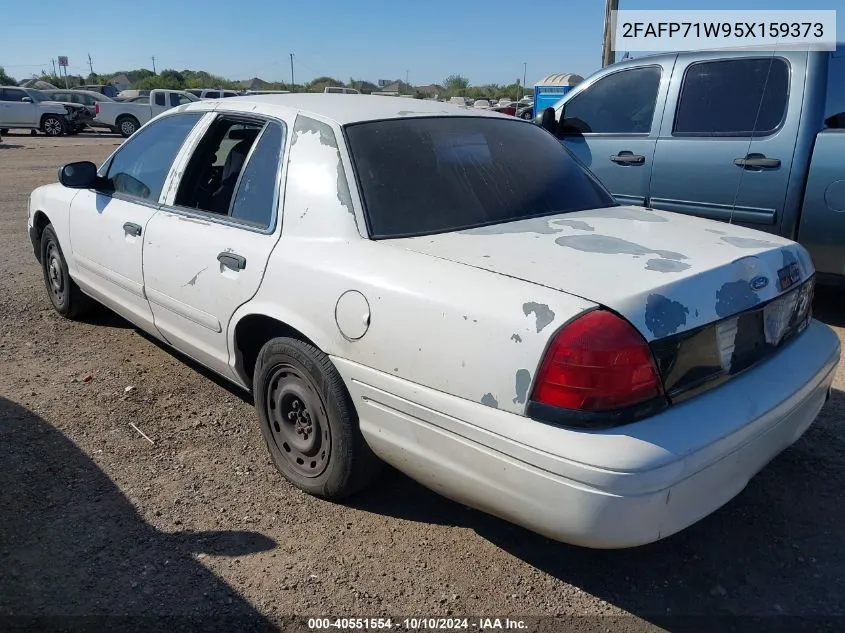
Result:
[{"x": 420, "y": 176}]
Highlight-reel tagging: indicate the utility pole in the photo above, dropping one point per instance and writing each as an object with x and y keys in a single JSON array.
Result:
[
  {"x": 608, "y": 54},
  {"x": 90, "y": 64},
  {"x": 524, "y": 73},
  {"x": 292, "y": 84},
  {"x": 154, "y": 64},
  {"x": 53, "y": 61},
  {"x": 406, "y": 77}
]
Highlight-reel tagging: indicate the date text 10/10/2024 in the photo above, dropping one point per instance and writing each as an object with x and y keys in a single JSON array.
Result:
[{"x": 416, "y": 624}]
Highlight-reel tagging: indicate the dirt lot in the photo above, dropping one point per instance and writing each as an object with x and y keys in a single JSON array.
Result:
[{"x": 96, "y": 520}]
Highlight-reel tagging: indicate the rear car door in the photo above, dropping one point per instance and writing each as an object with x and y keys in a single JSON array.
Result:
[
  {"x": 207, "y": 249},
  {"x": 611, "y": 125},
  {"x": 725, "y": 149},
  {"x": 107, "y": 227}
]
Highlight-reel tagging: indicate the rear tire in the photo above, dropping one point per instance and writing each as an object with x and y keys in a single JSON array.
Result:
[
  {"x": 309, "y": 422},
  {"x": 66, "y": 297},
  {"x": 127, "y": 126}
]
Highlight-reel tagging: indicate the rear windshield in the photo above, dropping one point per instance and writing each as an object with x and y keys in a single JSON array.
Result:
[{"x": 420, "y": 176}]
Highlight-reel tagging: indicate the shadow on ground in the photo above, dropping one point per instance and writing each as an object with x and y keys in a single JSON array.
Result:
[
  {"x": 73, "y": 550},
  {"x": 773, "y": 553}
]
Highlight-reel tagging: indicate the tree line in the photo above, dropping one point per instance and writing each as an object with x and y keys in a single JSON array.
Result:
[{"x": 144, "y": 78}]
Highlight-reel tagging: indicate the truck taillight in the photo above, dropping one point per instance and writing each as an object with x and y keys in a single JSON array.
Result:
[
  {"x": 96, "y": 109},
  {"x": 597, "y": 363}
]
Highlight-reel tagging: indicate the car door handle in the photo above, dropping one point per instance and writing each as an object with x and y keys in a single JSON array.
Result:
[
  {"x": 757, "y": 161},
  {"x": 231, "y": 260},
  {"x": 628, "y": 158},
  {"x": 132, "y": 229}
]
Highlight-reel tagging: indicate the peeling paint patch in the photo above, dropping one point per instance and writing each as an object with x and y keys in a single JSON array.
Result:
[
  {"x": 664, "y": 316},
  {"x": 666, "y": 265},
  {"x": 610, "y": 245},
  {"x": 716, "y": 231},
  {"x": 489, "y": 401},
  {"x": 735, "y": 296},
  {"x": 305, "y": 124},
  {"x": 624, "y": 213},
  {"x": 534, "y": 225},
  {"x": 747, "y": 242},
  {"x": 542, "y": 313},
  {"x": 516, "y": 337},
  {"x": 193, "y": 280},
  {"x": 523, "y": 379},
  {"x": 342, "y": 186},
  {"x": 575, "y": 224}
]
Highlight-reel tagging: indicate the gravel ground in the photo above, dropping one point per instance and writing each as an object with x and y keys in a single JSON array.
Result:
[{"x": 95, "y": 520}]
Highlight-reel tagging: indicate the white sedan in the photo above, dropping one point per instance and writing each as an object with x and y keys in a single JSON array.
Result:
[{"x": 399, "y": 280}]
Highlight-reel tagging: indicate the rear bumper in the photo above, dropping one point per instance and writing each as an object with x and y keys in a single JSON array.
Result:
[{"x": 611, "y": 489}]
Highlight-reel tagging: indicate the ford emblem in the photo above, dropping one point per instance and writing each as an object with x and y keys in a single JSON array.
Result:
[{"x": 758, "y": 283}]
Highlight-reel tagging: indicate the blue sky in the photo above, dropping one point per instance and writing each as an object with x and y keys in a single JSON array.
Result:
[{"x": 484, "y": 40}]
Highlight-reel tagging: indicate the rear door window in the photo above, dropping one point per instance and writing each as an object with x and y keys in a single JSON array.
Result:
[{"x": 733, "y": 97}]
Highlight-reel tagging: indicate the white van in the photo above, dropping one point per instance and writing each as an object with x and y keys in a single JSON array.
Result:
[{"x": 339, "y": 90}]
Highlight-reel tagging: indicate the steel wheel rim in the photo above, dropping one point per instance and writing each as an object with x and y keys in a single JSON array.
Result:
[
  {"x": 127, "y": 127},
  {"x": 297, "y": 421},
  {"x": 55, "y": 276}
]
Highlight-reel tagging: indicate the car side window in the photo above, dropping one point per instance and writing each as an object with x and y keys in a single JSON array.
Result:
[
  {"x": 177, "y": 99},
  {"x": 212, "y": 94},
  {"x": 255, "y": 199},
  {"x": 159, "y": 99},
  {"x": 13, "y": 94},
  {"x": 620, "y": 103},
  {"x": 140, "y": 166},
  {"x": 733, "y": 97},
  {"x": 212, "y": 174}
]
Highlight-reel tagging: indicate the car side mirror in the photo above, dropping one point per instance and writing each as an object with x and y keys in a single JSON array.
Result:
[
  {"x": 80, "y": 175},
  {"x": 26, "y": 99},
  {"x": 572, "y": 127}
]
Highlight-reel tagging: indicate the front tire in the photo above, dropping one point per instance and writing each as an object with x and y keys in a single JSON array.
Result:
[
  {"x": 127, "y": 126},
  {"x": 53, "y": 125},
  {"x": 66, "y": 297},
  {"x": 309, "y": 422}
]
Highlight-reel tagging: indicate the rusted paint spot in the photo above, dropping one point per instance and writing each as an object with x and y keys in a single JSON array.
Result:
[
  {"x": 624, "y": 213},
  {"x": 575, "y": 224},
  {"x": 666, "y": 265},
  {"x": 516, "y": 337},
  {"x": 664, "y": 316},
  {"x": 735, "y": 296},
  {"x": 610, "y": 245},
  {"x": 542, "y": 313},
  {"x": 523, "y": 379},
  {"x": 747, "y": 242},
  {"x": 488, "y": 400}
]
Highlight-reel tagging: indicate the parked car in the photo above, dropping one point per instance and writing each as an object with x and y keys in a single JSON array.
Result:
[
  {"x": 26, "y": 108},
  {"x": 104, "y": 89},
  {"x": 481, "y": 104},
  {"x": 83, "y": 97},
  {"x": 125, "y": 95},
  {"x": 749, "y": 136},
  {"x": 212, "y": 93},
  {"x": 126, "y": 117},
  {"x": 525, "y": 112},
  {"x": 340, "y": 90},
  {"x": 485, "y": 319}
]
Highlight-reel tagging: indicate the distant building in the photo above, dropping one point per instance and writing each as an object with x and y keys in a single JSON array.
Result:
[{"x": 431, "y": 91}]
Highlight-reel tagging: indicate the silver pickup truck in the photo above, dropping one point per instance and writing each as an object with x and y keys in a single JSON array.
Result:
[{"x": 751, "y": 136}]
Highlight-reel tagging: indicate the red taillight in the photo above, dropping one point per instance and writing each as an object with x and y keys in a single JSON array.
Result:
[
  {"x": 96, "y": 108},
  {"x": 599, "y": 362}
]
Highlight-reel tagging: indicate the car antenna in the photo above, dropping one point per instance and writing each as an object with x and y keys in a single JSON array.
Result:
[{"x": 753, "y": 130}]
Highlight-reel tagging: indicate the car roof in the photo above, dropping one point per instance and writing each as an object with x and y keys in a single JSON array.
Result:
[{"x": 345, "y": 109}]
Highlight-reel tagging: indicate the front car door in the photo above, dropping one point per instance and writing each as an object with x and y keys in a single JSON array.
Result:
[
  {"x": 207, "y": 249},
  {"x": 14, "y": 110},
  {"x": 725, "y": 149},
  {"x": 107, "y": 227},
  {"x": 611, "y": 125}
]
